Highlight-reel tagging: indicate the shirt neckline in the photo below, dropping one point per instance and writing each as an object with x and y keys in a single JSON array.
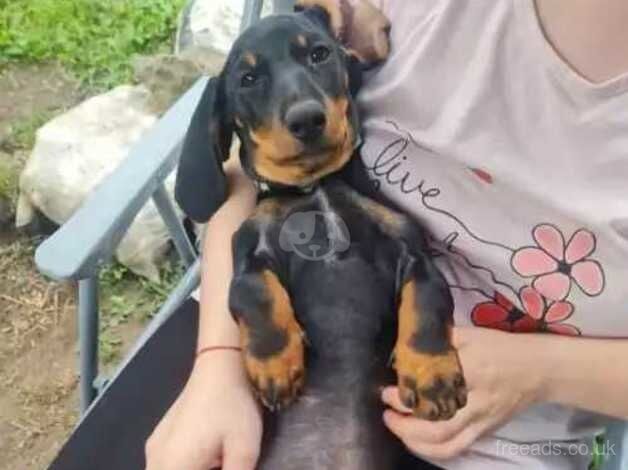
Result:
[{"x": 561, "y": 68}]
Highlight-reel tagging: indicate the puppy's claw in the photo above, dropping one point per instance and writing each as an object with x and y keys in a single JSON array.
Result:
[
  {"x": 410, "y": 399},
  {"x": 431, "y": 385},
  {"x": 278, "y": 379}
]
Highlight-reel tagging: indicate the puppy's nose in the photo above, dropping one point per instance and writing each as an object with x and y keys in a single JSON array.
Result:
[{"x": 306, "y": 120}]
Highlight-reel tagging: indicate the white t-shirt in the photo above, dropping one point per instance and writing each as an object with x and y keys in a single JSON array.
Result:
[{"x": 518, "y": 167}]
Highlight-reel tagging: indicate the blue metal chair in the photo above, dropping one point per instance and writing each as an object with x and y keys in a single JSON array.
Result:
[
  {"x": 81, "y": 247},
  {"x": 617, "y": 446}
]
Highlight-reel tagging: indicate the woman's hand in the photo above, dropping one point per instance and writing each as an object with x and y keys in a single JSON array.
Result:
[
  {"x": 367, "y": 32},
  {"x": 214, "y": 423},
  {"x": 503, "y": 378}
]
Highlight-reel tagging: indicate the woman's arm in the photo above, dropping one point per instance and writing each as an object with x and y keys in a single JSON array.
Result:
[
  {"x": 216, "y": 326},
  {"x": 215, "y": 422},
  {"x": 584, "y": 372}
]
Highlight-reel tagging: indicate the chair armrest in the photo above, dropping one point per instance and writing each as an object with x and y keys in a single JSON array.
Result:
[
  {"x": 616, "y": 446},
  {"x": 79, "y": 248}
]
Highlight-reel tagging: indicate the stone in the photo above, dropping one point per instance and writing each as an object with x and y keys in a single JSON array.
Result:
[
  {"x": 75, "y": 151},
  {"x": 211, "y": 24}
]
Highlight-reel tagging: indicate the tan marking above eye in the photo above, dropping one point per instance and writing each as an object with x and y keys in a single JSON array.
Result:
[
  {"x": 250, "y": 58},
  {"x": 302, "y": 40}
]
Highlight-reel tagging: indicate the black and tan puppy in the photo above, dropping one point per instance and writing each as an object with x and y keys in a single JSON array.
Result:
[{"x": 320, "y": 270}]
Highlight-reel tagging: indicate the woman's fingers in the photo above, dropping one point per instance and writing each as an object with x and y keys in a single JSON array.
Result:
[
  {"x": 453, "y": 448},
  {"x": 215, "y": 422},
  {"x": 368, "y": 32},
  {"x": 405, "y": 426},
  {"x": 390, "y": 396},
  {"x": 415, "y": 435}
]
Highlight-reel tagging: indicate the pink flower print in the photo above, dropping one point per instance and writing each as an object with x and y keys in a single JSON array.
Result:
[
  {"x": 554, "y": 264},
  {"x": 549, "y": 318}
]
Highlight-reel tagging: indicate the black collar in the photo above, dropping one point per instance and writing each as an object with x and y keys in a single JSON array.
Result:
[{"x": 266, "y": 189}]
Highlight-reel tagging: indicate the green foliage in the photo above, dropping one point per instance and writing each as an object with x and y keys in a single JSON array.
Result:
[
  {"x": 8, "y": 180},
  {"x": 109, "y": 346},
  {"x": 126, "y": 297},
  {"x": 598, "y": 453},
  {"x": 23, "y": 131},
  {"x": 93, "y": 38}
]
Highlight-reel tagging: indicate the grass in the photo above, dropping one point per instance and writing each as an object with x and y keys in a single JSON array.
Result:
[
  {"x": 23, "y": 131},
  {"x": 8, "y": 180},
  {"x": 598, "y": 457},
  {"x": 93, "y": 39},
  {"x": 21, "y": 137},
  {"x": 126, "y": 297}
]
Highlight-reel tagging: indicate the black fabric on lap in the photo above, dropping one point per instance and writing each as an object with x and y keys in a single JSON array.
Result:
[{"x": 113, "y": 434}]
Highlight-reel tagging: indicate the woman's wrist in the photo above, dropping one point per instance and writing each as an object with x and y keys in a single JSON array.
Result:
[
  {"x": 225, "y": 366},
  {"x": 547, "y": 358},
  {"x": 217, "y": 328},
  {"x": 532, "y": 368},
  {"x": 564, "y": 366},
  {"x": 572, "y": 371}
]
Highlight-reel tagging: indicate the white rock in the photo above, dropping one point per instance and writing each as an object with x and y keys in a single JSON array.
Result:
[
  {"x": 212, "y": 24},
  {"x": 76, "y": 151}
]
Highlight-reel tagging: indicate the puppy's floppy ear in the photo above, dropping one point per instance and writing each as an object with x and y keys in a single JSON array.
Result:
[
  {"x": 355, "y": 70},
  {"x": 201, "y": 186}
]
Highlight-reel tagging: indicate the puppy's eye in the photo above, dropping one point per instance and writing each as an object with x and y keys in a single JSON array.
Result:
[
  {"x": 319, "y": 54},
  {"x": 248, "y": 80}
]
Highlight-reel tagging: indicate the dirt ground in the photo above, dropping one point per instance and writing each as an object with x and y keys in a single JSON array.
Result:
[
  {"x": 37, "y": 360},
  {"x": 38, "y": 346},
  {"x": 29, "y": 90}
]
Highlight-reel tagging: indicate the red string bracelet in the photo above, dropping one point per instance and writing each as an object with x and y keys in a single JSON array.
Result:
[{"x": 209, "y": 349}]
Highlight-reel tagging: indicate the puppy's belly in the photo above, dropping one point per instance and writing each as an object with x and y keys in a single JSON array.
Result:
[
  {"x": 335, "y": 425},
  {"x": 350, "y": 322}
]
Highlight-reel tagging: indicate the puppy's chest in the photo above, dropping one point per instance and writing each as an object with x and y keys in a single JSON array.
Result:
[
  {"x": 328, "y": 231},
  {"x": 340, "y": 269}
]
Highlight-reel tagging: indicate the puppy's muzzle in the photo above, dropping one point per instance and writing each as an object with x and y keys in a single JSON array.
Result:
[{"x": 306, "y": 121}]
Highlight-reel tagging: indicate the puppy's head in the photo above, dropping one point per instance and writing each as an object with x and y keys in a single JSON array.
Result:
[{"x": 287, "y": 91}]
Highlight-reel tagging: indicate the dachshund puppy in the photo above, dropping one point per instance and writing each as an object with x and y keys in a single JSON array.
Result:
[{"x": 328, "y": 284}]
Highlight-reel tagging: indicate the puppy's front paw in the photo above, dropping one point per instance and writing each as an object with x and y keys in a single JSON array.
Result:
[
  {"x": 278, "y": 378},
  {"x": 432, "y": 385}
]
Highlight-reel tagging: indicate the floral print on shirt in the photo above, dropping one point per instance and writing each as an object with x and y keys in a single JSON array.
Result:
[{"x": 555, "y": 265}]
